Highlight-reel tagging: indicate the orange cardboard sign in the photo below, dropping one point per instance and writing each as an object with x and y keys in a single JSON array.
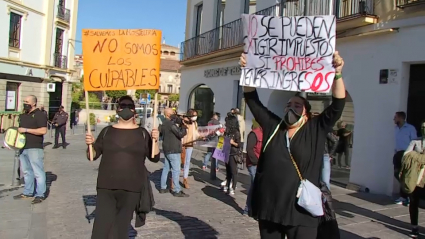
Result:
[{"x": 121, "y": 59}]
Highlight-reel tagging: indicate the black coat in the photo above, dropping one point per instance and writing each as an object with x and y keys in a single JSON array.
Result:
[{"x": 146, "y": 203}]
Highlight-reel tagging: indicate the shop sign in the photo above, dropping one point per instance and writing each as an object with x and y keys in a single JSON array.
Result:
[{"x": 223, "y": 71}]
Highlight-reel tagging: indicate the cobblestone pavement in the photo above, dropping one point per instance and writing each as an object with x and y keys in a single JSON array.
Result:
[{"x": 68, "y": 211}]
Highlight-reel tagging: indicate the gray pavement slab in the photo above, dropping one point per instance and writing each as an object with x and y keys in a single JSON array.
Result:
[{"x": 69, "y": 210}]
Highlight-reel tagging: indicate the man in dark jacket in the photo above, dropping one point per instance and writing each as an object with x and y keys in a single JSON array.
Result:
[
  {"x": 331, "y": 144},
  {"x": 59, "y": 121},
  {"x": 172, "y": 130}
]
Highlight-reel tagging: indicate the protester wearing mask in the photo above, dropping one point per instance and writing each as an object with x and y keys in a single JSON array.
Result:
[
  {"x": 122, "y": 172},
  {"x": 295, "y": 142},
  {"x": 59, "y": 121},
  {"x": 33, "y": 124},
  {"x": 189, "y": 141},
  {"x": 232, "y": 131},
  {"x": 173, "y": 130}
]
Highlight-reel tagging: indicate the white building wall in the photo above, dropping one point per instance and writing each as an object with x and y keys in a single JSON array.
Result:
[{"x": 374, "y": 103}]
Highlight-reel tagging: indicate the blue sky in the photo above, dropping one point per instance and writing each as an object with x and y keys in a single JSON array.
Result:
[{"x": 166, "y": 15}]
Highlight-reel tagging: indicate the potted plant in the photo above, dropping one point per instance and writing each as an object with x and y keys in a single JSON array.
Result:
[
  {"x": 92, "y": 122},
  {"x": 112, "y": 119}
]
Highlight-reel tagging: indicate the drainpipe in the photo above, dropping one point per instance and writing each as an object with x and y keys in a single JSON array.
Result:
[
  {"x": 331, "y": 7},
  {"x": 306, "y": 7}
]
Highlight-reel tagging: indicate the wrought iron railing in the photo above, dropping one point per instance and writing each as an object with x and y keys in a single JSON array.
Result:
[
  {"x": 409, "y": 3},
  {"x": 346, "y": 9},
  {"x": 231, "y": 34},
  {"x": 64, "y": 14},
  {"x": 60, "y": 61}
]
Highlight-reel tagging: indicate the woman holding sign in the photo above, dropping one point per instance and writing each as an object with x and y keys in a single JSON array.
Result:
[
  {"x": 292, "y": 157},
  {"x": 122, "y": 171}
]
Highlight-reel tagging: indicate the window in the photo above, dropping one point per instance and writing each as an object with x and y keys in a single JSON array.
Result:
[
  {"x": 11, "y": 96},
  {"x": 62, "y": 3},
  {"x": 60, "y": 61},
  {"x": 166, "y": 53},
  {"x": 198, "y": 24},
  {"x": 15, "y": 30},
  {"x": 172, "y": 53},
  {"x": 169, "y": 88},
  {"x": 221, "y": 4},
  {"x": 250, "y": 6}
]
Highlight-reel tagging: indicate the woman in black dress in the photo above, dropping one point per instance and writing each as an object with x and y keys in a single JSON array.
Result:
[
  {"x": 274, "y": 202},
  {"x": 232, "y": 131},
  {"x": 122, "y": 172}
]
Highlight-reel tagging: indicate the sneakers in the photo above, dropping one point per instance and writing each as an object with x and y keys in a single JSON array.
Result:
[
  {"x": 180, "y": 194},
  {"x": 204, "y": 168},
  {"x": 225, "y": 189},
  {"x": 37, "y": 200},
  {"x": 232, "y": 191},
  {"x": 22, "y": 196},
  {"x": 402, "y": 201},
  {"x": 414, "y": 233},
  {"x": 162, "y": 191}
]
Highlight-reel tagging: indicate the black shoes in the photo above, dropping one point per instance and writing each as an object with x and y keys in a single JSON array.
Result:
[
  {"x": 414, "y": 233},
  {"x": 37, "y": 200},
  {"x": 162, "y": 191},
  {"x": 180, "y": 194},
  {"x": 55, "y": 147},
  {"x": 22, "y": 196}
]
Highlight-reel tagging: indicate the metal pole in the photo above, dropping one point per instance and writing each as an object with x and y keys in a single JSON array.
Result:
[
  {"x": 145, "y": 113},
  {"x": 306, "y": 7},
  {"x": 15, "y": 168}
]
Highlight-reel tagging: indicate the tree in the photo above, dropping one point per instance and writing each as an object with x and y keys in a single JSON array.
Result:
[
  {"x": 174, "y": 97},
  {"x": 151, "y": 92},
  {"x": 116, "y": 93}
]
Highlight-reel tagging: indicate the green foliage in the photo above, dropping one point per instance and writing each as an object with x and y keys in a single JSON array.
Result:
[
  {"x": 94, "y": 102},
  {"x": 92, "y": 119},
  {"x": 113, "y": 119},
  {"x": 116, "y": 93},
  {"x": 174, "y": 97},
  {"x": 152, "y": 92}
]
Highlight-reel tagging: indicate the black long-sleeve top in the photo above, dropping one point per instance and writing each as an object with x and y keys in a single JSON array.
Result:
[
  {"x": 276, "y": 182},
  {"x": 123, "y": 158},
  {"x": 173, "y": 134},
  {"x": 250, "y": 145}
]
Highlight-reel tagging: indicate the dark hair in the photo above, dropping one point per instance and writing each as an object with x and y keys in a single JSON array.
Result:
[
  {"x": 190, "y": 112},
  {"x": 306, "y": 104},
  {"x": 401, "y": 114},
  {"x": 232, "y": 124},
  {"x": 125, "y": 97}
]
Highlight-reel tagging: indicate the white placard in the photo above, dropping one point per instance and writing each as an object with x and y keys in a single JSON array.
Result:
[
  {"x": 10, "y": 100},
  {"x": 289, "y": 53}
]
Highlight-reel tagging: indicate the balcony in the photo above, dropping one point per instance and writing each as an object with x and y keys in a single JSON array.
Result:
[
  {"x": 354, "y": 13},
  {"x": 228, "y": 39},
  {"x": 60, "y": 61},
  {"x": 409, "y": 3},
  {"x": 64, "y": 14}
]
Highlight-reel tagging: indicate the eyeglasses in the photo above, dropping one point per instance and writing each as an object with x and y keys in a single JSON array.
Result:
[{"x": 125, "y": 106}]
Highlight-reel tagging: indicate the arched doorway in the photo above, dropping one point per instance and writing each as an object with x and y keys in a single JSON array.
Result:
[
  {"x": 201, "y": 98},
  {"x": 340, "y": 170}
]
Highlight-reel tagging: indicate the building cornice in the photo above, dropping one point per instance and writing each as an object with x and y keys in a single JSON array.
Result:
[
  {"x": 33, "y": 65},
  {"x": 19, "y": 4}
]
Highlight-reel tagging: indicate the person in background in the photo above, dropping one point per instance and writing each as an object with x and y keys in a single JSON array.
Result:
[
  {"x": 254, "y": 143},
  {"x": 404, "y": 133},
  {"x": 188, "y": 141},
  {"x": 44, "y": 111},
  {"x": 241, "y": 122},
  {"x": 33, "y": 123},
  {"x": 210, "y": 150},
  {"x": 232, "y": 131},
  {"x": 343, "y": 144},
  {"x": 418, "y": 194},
  {"x": 173, "y": 130},
  {"x": 122, "y": 171},
  {"x": 331, "y": 144},
  {"x": 59, "y": 121}
]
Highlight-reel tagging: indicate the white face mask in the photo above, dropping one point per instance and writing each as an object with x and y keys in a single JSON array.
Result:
[{"x": 194, "y": 118}]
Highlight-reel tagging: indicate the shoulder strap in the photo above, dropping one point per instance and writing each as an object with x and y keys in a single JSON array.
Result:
[{"x": 292, "y": 158}]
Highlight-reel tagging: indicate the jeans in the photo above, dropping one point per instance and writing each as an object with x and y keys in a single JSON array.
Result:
[
  {"x": 252, "y": 170},
  {"x": 32, "y": 165},
  {"x": 187, "y": 162},
  {"x": 207, "y": 159},
  {"x": 172, "y": 161},
  {"x": 326, "y": 170}
]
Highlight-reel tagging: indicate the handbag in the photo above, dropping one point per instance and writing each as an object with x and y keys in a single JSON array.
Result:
[{"x": 309, "y": 196}]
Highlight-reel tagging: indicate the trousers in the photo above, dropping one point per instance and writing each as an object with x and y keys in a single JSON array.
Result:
[
  {"x": 60, "y": 130},
  {"x": 231, "y": 172},
  {"x": 271, "y": 230}
]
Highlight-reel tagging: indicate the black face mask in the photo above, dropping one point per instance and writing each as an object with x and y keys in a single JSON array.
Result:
[
  {"x": 27, "y": 107},
  {"x": 292, "y": 117},
  {"x": 125, "y": 114}
]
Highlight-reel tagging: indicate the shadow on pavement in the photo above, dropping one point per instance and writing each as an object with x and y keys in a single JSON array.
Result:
[
  {"x": 221, "y": 196},
  {"x": 349, "y": 210},
  {"x": 349, "y": 235},
  {"x": 50, "y": 178},
  {"x": 191, "y": 227}
]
